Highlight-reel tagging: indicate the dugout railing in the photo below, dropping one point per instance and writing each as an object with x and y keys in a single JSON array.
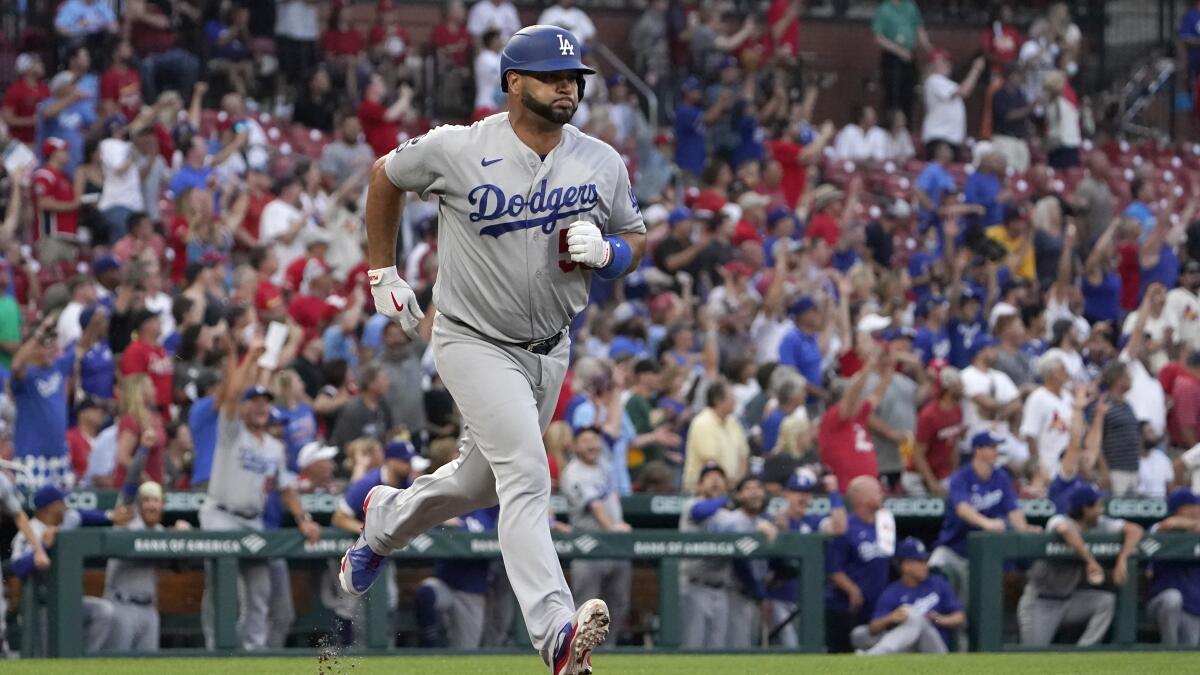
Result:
[
  {"x": 988, "y": 554},
  {"x": 62, "y": 585}
]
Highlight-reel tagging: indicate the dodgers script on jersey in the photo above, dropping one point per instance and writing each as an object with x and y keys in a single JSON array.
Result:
[{"x": 503, "y": 218}]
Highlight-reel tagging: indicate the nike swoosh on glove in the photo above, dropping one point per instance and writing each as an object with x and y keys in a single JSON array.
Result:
[
  {"x": 586, "y": 244},
  {"x": 395, "y": 299}
]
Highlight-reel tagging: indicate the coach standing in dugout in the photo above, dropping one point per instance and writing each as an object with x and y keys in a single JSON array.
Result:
[
  {"x": 858, "y": 563},
  {"x": 248, "y": 464}
]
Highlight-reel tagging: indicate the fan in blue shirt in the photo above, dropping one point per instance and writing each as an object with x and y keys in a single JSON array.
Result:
[
  {"x": 800, "y": 348},
  {"x": 690, "y": 149},
  {"x": 932, "y": 184},
  {"x": 97, "y": 370},
  {"x": 39, "y": 390},
  {"x": 966, "y": 328},
  {"x": 915, "y": 613},
  {"x": 396, "y": 472},
  {"x": 933, "y": 338}
]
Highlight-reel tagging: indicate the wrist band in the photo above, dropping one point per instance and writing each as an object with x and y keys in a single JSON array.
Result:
[
  {"x": 836, "y": 501},
  {"x": 618, "y": 261}
]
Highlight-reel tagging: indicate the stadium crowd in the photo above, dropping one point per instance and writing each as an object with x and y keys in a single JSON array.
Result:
[{"x": 840, "y": 307}]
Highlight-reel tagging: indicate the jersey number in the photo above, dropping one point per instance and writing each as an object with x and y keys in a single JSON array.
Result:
[{"x": 567, "y": 265}]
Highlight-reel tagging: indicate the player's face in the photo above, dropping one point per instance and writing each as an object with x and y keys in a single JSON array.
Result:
[
  {"x": 257, "y": 412},
  {"x": 752, "y": 496},
  {"x": 399, "y": 471},
  {"x": 917, "y": 569},
  {"x": 798, "y": 502},
  {"x": 712, "y": 486},
  {"x": 150, "y": 508},
  {"x": 553, "y": 96}
]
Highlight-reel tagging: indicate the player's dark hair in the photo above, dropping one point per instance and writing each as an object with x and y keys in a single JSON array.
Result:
[
  {"x": 1111, "y": 373},
  {"x": 717, "y": 391}
]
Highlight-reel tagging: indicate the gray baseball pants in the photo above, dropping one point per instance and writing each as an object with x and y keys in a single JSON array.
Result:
[
  {"x": 1178, "y": 627},
  {"x": 745, "y": 621},
  {"x": 507, "y": 398},
  {"x": 705, "y": 616},
  {"x": 280, "y": 612},
  {"x": 1039, "y": 618},
  {"x": 914, "y": 634},
  {"x": 135, "y": 627},
  {"x": 782, "y": 610},
  {"x": 461, "y": 614},
  {"x": 254, "y": 586},
  {"x": 609, "y": 580}
]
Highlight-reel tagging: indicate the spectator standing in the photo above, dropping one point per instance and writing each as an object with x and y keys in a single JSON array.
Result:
[
  {"x": 1183, "y": 307},
  {"x": 96, "y": 368},
  {"x": 1011, "y": 356},
  {"x": 347, "y": 153},
  {"x": 66, "y": 115},
  {"x": 121, "y": 193},
  {"x": 564, "y": 14},
  {"x": 985, "y": 188},
  {"x": 945, "y": 110},
  {"x": 1093, "y": 203},
  {"x": 487, "y": 70},
  {"x": 22, "y": 97},
  {"x": 651, "y": 46},
  {"x": 594, "y": 501},
  {"x": 1055, "y": 592},
  {"x": 381, "y": 123},
  {"x": 899, "y": 30},
  {"x": 39, "y": 379},
  {"x": 893, "y": 421},
  {"x": 283, "y": 225},
  {"x": 1189, "y": 35},
  {"x": 366, "y": 415},
  {"x": 55, "y": 204},
  {"x": 164, "y": 65},
  {"x": 715, "y": 436},
  {"x": 1046, "y": 420},
  {"x": 400, "y": 360},
  {"x": 1010, "y": 121},
  {"x": 498, "y": 15},
  {"x": 1063, "y": 132},
  {"x": 316, "y": 104},
  {"x": 842, "y": 436},
  {"x": 802, "y": 347},
  {"x": 857, "y": 563},
  {"x": 939, "y": 430},
  {"x": 796, "y": 150},
  {"x": 146, "y": 356},
  {"x": 297, "y": 29},
  {"x": 863, "y": 140}
]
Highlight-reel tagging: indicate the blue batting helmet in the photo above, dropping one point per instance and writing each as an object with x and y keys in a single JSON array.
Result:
[{"x": 542, "y": 49}]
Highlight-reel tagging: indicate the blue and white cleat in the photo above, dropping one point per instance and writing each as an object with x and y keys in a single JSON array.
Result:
[
  {"x": 578, "y": 637},
  {"x": 360, "y": 565}
]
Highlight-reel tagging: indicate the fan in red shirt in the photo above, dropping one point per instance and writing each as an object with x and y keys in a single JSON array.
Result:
[
  {"x": 139, "y": 431},
  {"x": 381, "y": 125},
  {"x": 846, "y": 447},
  {"x": 939, "y": 429},
  {"x": 310, "y": 308},
  {"x": 339, "y": 39},
  {"x": 54, "y": 201},
  {"x": 795, "y": 156},
  {"x": 317, "y": 246},
  {"x": 268, "y": 298},
  {"x": 824, "y": 224},
  {"x": 146, "y": 356},
  {"x": 784, "y": 20},
  {"x": 389, "y": 40},
  {"x": 451, "y": 38},
  {"x": 89, "y": 420},
  {"x": 121, "y": 85},
  {"x": 1002, "y": 40},
  {"x": 258, "y": 195},
  {"x": 22, "y": 98},
  {"x": 1129, "y": 267},
  {"x": 1183, "y": 419}
]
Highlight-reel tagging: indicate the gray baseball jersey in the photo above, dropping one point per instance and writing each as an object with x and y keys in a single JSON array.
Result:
[
  {"x": 21, "y": 547},
  {"x": 1060, "y": 577},
  {"x": 585, "y": 484},
  {"x": 10, "y": 496},
  {"x": 504, "y": 268},
  {"x": 705, "y": 570},
  {"x": 132, "y": 580},
  {"x": 245, "y": 468}
]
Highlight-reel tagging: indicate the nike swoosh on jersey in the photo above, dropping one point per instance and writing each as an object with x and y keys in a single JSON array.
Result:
[{"x": 489, "y": 162}]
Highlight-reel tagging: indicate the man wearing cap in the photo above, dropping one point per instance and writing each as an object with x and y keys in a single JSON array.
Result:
[
  {"x": 915, "y": 613},
  {"x": 945, "y": 111},
  {"x": 933, "y": 337},
  {"x": 97, "y": 369},
  {"x": 146, "y": 355},
  {"x": 39, "y": 378},
  {"x": 55, "y": 205},
  {"x": 131, "y": 585},
  {"x": 783, "y": 589},
  {"x": 980, "y": 497},
  {"x": 51, "y": 516},
  {"x": 680, "y": 251},
  {"x": 802, "y": 347},
  {"x": 703, "y": 581},
  {"x": 316, "y": 243},
  {"x": 1175, "y": 586},
  {"x": 22, "y": 97},
  {"x": 11, "y": 504},
  {"x": 691, "y": 124},
  {"x": 747, "y": 596},
  {"x": 395, "y": 471},
  {"x": 857, "y": 563},
  {"x": 1055, "y": 592},
  {"x": 991, "y": 398},
  {"x": 248, "y": 464},
  {"x": 66, "y": 115},
  {"x": 594, "y": 500},
  {"x": 315, "y": 462}
]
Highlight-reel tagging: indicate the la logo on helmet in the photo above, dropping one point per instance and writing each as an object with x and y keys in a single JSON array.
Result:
[{"x": 565, "y": 46}]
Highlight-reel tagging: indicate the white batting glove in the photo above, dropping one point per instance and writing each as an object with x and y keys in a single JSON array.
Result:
[
  {"x": 586, "y": 244},
  {"x": 395, "y": 299}
]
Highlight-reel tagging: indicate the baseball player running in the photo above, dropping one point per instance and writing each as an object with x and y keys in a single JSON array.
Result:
[{"x": 529, "y": 210}]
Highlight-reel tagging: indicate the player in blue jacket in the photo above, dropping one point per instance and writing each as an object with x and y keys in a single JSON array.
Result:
[
  {"x": 915, "y": 613},
  {"x": 1175, "y": 589},
  {"x": 981, "y": 497},
  {"x": 858, "y": 563}
]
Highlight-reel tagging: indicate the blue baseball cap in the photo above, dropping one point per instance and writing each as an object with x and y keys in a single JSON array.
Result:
[
  {"x": 399, "y": 450},
  {"x": 901, "y": 332},
  {"x": 1084, "y": 495},
  {"x": 677, "y": 214},
  {"x": 803, "y": 304},
  {"x": 911, "y": 548},
  {"x": 692, "y": 84},
  {"x": 47, "y": 495},
  {"x": 1181, "y": 498},
  {"x": 85, "y": 316},
  {"x": 985, "y": 439},
  {"x": 777, "y": 214},
  {"x": 968, "y": 293},
  {"x": 710, "y": 466},
  {"x": 257, "y": 391},
  {"x": 106, "y": 264},
  {"x": 981, "y": 343},
  {"x": 801, "y": 480}
]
